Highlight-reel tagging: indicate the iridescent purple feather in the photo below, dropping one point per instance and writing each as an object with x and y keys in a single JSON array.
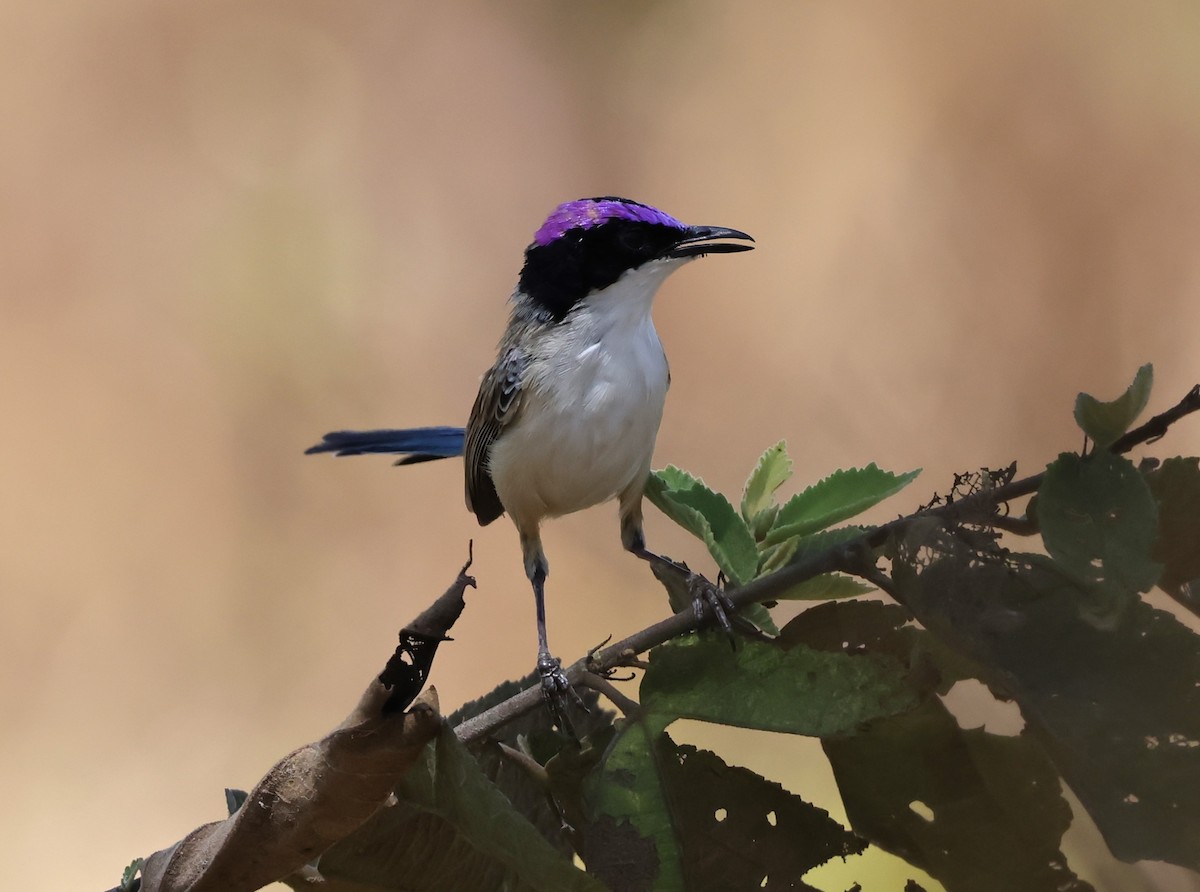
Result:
[{"x": 587, "y": 212}]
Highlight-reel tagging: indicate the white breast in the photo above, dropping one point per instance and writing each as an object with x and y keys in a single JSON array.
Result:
[{"x": 591, "y": 405}]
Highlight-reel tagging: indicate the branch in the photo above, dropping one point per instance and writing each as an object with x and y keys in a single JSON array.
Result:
[{"x": 847, "y": 558}]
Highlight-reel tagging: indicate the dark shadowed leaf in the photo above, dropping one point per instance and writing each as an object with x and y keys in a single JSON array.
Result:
[
  {"x": 1099, "y": 521},
  {"x": 528, "y": 796},
  {"x": 621, "y": 858},
  {"x": 979, "y": 812},
  {"x": 1176, "y": 485},
  {"x": 738, "y": 830},
  {"x": 1116, "y": 707},
  {"x": 452, "y": 830}
]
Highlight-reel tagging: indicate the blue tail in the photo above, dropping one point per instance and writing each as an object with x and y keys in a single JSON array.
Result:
[{"x": 416, "y": 444}]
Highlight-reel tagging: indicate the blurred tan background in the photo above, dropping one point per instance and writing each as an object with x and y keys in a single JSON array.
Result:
[{"x": 227, "y": 228}]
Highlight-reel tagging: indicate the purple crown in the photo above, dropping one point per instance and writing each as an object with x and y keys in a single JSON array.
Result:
[{"x": 588, "y": 212}]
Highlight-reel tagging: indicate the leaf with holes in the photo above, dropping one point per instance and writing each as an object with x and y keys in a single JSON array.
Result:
[
  {"x": 738, "y": 830},
  {"x": 771, "y": 688},
  {"x": 980, "y": 812},
  {"x": 1116, "y": 706},
  {"x": 1099, "y": 521}
]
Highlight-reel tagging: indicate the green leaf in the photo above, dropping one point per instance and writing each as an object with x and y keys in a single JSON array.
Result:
[
  {"x": 763, "y": 521},
  {"x": 129, "y": 875},
  {"x": 760, "y": 616},
  {"x": 1103, "y": 422},
  {"x": 709, "y": 516},
  {"x": 825, "y": 587},
  {"x": 772, "y": 557},
  {"x": 630, "y": 814},
  {"x": 1099, "y": 521},
  {"x": 839, "y": 496},
  {"x": 770, "y": 688},
  {"x": 771, "y": 472},
  {"x": 660, "y": 488}
]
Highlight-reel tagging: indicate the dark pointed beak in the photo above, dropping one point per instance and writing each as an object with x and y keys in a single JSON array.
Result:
[{"x": 700, "y": 240}]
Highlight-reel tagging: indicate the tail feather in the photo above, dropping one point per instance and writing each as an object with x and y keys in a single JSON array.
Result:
[{"x": 416, "y": 444}]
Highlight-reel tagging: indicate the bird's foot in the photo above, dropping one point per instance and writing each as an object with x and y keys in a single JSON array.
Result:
[
  {"x": 709, "y": 599},
  {"x": 557, "y": 692}
]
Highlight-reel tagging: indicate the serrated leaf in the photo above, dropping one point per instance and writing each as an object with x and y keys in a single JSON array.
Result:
[
  {"x": 1100, "y": 521},
  {"x": 763, "y": 521},
  {"x": 670, "y": 480},
  {"x": 1104, "y": 423},
  {"x": 772, "y": 557},
  {"x": 839, "y": 496},
  {"x": 709, "y": 516},
  {"x": 826, "y": 587},
  {"x": 760, "y": 617},
  {"x": 814, "y": 543},
  {"x": 772, "y": 471},
  {"x": 764, "y": 686},
  {"x": 129, "y": 875}
]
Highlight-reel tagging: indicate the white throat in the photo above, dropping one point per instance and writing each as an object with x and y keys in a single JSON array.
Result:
[{"x": 594, "y": 400}]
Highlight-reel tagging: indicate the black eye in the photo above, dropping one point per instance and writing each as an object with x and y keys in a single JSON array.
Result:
[{"x": 633, "y": 240}]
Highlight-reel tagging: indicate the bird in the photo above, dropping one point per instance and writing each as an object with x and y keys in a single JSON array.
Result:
[{"x": 567, "y": 416}]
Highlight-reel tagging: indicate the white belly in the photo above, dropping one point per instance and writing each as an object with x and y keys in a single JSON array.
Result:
[{"x": 588, "y": 421}]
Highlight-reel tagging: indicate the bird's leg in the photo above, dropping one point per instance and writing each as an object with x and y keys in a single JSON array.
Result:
[
  {"x": 555, "y": 686},
  {"x": 707, "y": 598}
]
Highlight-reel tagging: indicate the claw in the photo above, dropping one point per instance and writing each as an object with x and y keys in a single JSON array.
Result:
[
  {"x": 707, "y": 598},
  {"x": 557, "y": 692},
  {"x": 710, "y": 600}
]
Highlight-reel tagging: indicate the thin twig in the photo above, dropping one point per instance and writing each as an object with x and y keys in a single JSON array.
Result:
[{"x": 602, "y": 685}]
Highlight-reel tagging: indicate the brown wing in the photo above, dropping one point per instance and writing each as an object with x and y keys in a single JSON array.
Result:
[{"x": 496, "y": 407}]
